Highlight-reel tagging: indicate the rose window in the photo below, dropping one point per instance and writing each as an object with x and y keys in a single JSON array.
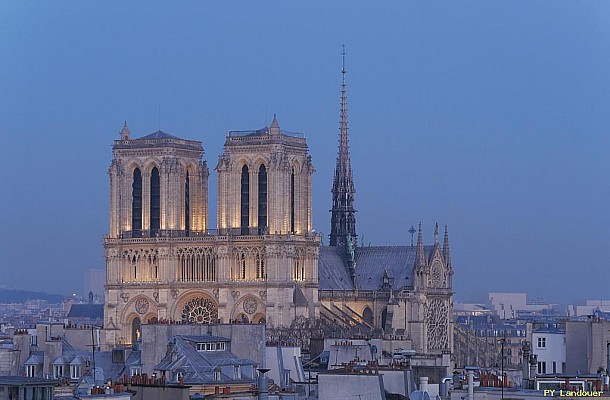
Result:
[
  {"x": 436, "y": 321},
  {"x": 250, "y": 305},
  {"x": 141, "y": 306},
  {"x": 200, "y": 311}
]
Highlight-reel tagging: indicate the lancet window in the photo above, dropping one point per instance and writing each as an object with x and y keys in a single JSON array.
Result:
[
  {"x": 245, "y": 200},
  {"x": 261, "y": 273},
  {"x": 141, "y": 266},
  {"x": 155, "y": 202},
  {"x": 298, "y": 265},
  {"x": 197, "y": 265},
  {"x": 248, "y": 264},
  {"x": 136, "y": 201},
  {"x": 262, "y": 199},
  {"x": 292, "y": 201},
  {"x": 187, "y": 206}
]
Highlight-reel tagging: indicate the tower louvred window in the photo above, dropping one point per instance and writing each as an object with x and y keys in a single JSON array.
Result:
[{"x": 136, "y": 201}]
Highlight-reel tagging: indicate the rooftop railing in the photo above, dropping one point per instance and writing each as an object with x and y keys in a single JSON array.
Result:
[
  {"x": 264, "y": 132},
  {"x": 173, "y": 233}
]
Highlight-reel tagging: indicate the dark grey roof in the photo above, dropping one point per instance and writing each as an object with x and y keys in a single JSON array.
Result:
[
  {"x": 158, "y": 135},
  {"x": 114, "y": 370},
  {"x": 24, "y": 380},
  {"x": 36, "y": 357},
  {"x": 91, "y": 311},
  {"x": 332, "y": 273},
  {"x": 371, "y": 264},
  {"x": 198, "y": 366}
]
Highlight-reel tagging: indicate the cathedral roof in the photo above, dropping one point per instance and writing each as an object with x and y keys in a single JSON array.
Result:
[
  {"x": 158, "y": 135},
  {"x": 332, "y": 272},
  {"x": 371, "y": 264},
  {"x": 90, "y": 311}
]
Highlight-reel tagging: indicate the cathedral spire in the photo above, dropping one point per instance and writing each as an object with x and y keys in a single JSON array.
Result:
[
  {"x": 343, "y": 217},
  {"x": 446, "y": 252}
]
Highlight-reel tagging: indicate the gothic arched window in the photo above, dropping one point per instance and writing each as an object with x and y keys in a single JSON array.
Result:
[
  {"x": 136, "y": 202},
  {"x": 367, "y": 315},
  {"x": 242, "y": 266},
  {"x": 187, "y": 205},
  {"x": 245, "y": 200},
  {"x": 262, "y": 199},
  {"x": 155, "y": 202},
  {"x": 292, "y": 201}
]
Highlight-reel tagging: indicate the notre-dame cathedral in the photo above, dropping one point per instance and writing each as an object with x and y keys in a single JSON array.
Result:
[{"x": 263, "y": 263}]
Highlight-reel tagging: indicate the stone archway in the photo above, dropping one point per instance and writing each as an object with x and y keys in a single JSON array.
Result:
[
  {"x": 249, "y": 307},
  {"x": 136, "y": 329},
  {"x": 259, "y": 319}
]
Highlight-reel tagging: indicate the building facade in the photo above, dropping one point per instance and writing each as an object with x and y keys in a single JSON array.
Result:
[{"x": 163, "y": 263}]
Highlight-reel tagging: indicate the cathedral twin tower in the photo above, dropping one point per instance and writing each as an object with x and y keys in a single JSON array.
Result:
[
  {"x": 163, "y": 261},
  {"x": 263, "y": 263}
]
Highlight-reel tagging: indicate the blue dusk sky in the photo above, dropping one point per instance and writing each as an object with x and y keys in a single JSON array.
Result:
[{"x": 491, "y": 117}]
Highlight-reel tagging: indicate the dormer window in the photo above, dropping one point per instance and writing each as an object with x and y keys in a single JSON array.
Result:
[
  {"x": 75, "y": 371},
  {"x": 236, "y": 372},
  {"x": 213, "y": 346},
  {"x": 58, "y": 371}
]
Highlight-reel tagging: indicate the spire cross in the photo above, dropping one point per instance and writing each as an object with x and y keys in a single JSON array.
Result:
[{"x": 412, "y": 232}]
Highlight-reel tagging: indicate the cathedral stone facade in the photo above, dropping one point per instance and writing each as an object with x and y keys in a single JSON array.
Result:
[
  {"x": 263, "y": 263},
  {"x": 164, "y": 263}
]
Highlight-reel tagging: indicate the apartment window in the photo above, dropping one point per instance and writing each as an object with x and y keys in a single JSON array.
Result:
[
  {"x": 236, "y": 372},
  {"x": 217, "y": 374},
  {"x": 541, "y": 342},
  {"x": 58, "y": 371},
  {"x": 554, "y": 367},
  {"x": 542, "y": 367},
  {"x": 135, "y": 371}
]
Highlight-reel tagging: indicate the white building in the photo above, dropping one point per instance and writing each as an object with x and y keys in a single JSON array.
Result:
[{"x": 549, "y": 344}]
